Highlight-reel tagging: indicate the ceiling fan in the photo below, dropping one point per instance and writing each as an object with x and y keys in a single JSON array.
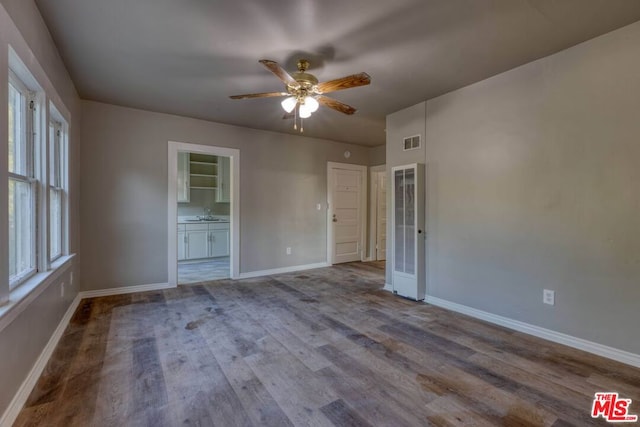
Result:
[{"x": 304, "y": 93}]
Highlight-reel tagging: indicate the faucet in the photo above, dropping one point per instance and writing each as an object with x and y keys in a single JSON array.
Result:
[{"x": 206, "y": 214}]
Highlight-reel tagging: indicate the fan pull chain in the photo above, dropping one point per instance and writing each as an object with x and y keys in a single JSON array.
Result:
[
  {"x": 295, "y": 118},
  {"x": 301, "y": 125}
]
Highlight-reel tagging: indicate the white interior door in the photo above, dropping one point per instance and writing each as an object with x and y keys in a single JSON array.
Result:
[
  {"x": 346, "y": 223},
  {"x": 381, "y": 217}
]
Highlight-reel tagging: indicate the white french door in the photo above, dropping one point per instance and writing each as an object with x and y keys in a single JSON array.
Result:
[{"x": 407, "y": 198}]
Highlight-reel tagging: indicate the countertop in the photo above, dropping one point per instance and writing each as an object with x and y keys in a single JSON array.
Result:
[{"x": 194, "y": 220}]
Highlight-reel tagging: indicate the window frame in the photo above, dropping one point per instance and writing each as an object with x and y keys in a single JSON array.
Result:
[
  {"x": 30, "y": 177},
  {"x": 57, "y": 162}
]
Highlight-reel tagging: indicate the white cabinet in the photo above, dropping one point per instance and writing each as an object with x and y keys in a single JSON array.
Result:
[
  {"x": 197, "y": 241},
  {"x": 182, "y": 242},
  {"x": 203, "y": 172},
  {"x": 218, "y": 240},
  {"x": 407, "y": 198},
  {"x": 183, "y": 192},
  {"x": 223, "y": 195}
]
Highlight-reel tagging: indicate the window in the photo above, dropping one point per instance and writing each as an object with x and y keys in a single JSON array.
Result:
[
  {"x": 22, "y": 184},
  {"x": 56, "y": 189},
  {"x": 34, "y": 183}
]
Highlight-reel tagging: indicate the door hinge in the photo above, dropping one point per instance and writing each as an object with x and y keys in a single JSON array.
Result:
[{"x": 32, "y": 105}]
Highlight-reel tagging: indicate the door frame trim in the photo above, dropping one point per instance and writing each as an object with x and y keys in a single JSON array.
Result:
[
  {"x": 172, "y": 204},
  {"x": 363, "y": 206},
  {"x": 373, "y": 209}
]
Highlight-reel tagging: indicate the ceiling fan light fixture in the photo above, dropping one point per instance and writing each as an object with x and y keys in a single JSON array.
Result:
[
  {"x": 311, "y": 104},
  {"x": 305, "y": 111},
  {"x": 304, "y": 93},
  {"x": 289, "y": 104}
]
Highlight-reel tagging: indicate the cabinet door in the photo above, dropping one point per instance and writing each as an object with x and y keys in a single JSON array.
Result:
[
  {"x": 182, "y": 245},
  {"x": 223, "y": 193},
  {"x": 219, "y": 243},
  {"x": 183, "y": 190},
  {"x": 197, "y": 244}
]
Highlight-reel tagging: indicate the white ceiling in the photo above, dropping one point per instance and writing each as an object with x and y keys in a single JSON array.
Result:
[{"x": 186, "y": 57}]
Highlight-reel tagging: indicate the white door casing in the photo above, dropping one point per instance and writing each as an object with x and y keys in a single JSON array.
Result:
[
  {"x": 381, "y": 216},
  {"x": 172, "y": 204},
  {"x": 377, "y": 214},
  {"x": 346, "y": 213}
]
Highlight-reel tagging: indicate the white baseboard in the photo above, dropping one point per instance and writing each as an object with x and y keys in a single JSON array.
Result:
[
  {"x": 548, "y": 334},
  {"x": 125, "y": 290},
  {"x": 388, "y": 287},
  {"x": 20, "y": 398},
  {"x": 282, "y": 270}
]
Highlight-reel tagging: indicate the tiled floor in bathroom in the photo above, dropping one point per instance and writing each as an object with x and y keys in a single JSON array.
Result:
[{"x": 203, "y": 271}]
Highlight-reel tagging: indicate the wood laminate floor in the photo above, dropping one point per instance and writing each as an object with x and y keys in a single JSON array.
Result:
[{"x": 323, "y": 347}]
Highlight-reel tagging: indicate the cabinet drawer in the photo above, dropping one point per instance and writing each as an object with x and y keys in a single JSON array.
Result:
[
  {"x": 197, "y": 227},
  {"x": 224, "y": 226}
]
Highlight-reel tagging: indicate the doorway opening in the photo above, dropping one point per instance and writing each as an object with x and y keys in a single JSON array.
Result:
[
  {"x": 203, "y": 213},
  {"x": 378, "y": 214},
  {"x": 203, "y": 217}
]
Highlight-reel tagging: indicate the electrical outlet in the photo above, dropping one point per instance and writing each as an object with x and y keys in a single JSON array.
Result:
[
  {"x": 319, "y": 206},
  {"x": 62, "y": 290},
  {"x": 288, "y": 250},
  {"x": 549, "y": 297}
]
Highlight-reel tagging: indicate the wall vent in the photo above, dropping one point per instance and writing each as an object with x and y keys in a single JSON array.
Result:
[{"x": 411, "y": 142}]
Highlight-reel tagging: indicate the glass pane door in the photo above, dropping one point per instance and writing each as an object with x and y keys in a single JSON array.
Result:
[
  {"x": 409, "y": 221},
  {"x": 398, "y": 182}
]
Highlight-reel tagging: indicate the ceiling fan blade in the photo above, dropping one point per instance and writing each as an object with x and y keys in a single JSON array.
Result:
[
  {"x": 276, "y": 69},
  {"x": 259, "y": 95},
  {"x": 336, "y": 105},
  {"x": 354, "y": 80}
]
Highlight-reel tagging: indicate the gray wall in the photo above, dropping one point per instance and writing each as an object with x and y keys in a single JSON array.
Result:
[
  {"x": 124, "y": 193},
  {"x": 377, "y": 155},
  {"x": 22, "y": 341},
  {"x": 533, "y": 183}
]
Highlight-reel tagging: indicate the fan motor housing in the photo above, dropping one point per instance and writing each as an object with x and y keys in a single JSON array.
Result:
[{"x": 305, "y": 80}]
